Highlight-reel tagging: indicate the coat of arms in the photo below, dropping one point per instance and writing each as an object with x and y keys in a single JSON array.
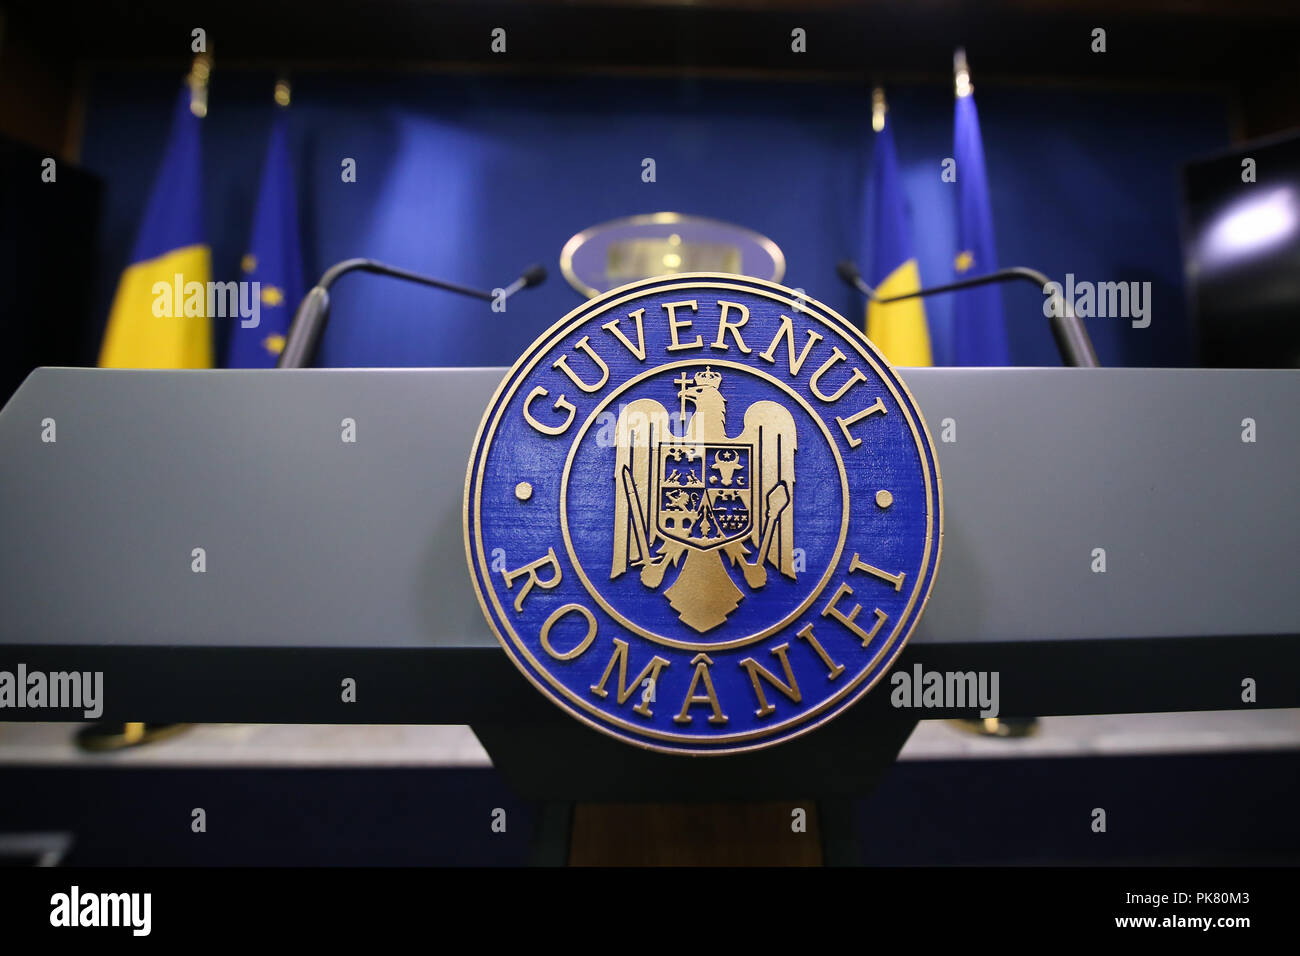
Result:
[
  {"x": 703, "y": 514},
  {"x": 703, "y": 501}
]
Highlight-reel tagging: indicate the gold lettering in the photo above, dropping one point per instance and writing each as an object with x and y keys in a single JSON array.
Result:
[
  {"x": 560, "y": 403},
  {"x": 836, "y": 356},
  {"x": 639, "y": 349},
  {"x": 835, "y": 669},
  {"x": 877, "y": 406},
  {"x": 584, "y": 344},
  {"x": 531, "y": 570},
  {"x": 849, "y": 620},
  {"x": 675, "y": 324},
  {"x": 585, "y": 643},
  {"x": 624, "y": 690},
  {"x": 701, "y": 662},
  {"x": 733, "y": 327},
  {"x": 895, "y": 579},
  {"x": 756, "y": 670},
  {"x": 786, "y": 331}
]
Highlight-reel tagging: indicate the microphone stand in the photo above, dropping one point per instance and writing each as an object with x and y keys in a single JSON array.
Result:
[
  {"x": 1075, "y": 348},
  {"x": 1071, "y": 335},
  {"x": 313, "y": 312}
]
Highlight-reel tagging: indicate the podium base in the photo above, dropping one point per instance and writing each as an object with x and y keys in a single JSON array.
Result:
[
  {"x": 605, "y": 803},
  {"x": 557, "y": 758}
]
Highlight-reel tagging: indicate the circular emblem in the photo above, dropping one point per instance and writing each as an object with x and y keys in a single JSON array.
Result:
[{"x": 703, "y": 514}]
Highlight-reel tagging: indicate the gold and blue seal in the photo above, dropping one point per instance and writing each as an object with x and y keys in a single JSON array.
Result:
[{"x": 703, "y": 514}]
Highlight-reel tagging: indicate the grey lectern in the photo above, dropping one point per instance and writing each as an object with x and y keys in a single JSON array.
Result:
[{"x": 1117, "y": 540}]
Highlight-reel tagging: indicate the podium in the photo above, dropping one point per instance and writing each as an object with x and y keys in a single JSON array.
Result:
[{"x": 1116, "y": 541}]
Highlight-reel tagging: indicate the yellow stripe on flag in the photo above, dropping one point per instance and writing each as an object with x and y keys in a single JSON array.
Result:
[
  {"x": 138, "y": 336},
  {"x": 898, "y": 329}
]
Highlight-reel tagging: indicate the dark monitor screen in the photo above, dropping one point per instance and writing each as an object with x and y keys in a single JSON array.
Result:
[{"x": 1241, "y": 245}]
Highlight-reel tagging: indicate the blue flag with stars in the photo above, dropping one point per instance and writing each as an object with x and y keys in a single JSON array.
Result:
[
  {"x": 274, "y": 260},
  {"x": 979, "y": 330}
]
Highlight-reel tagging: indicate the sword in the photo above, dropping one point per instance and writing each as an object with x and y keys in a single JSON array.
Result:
[
  {"x": 652, "y": 571},
  {"x": 778, "y": 499}
]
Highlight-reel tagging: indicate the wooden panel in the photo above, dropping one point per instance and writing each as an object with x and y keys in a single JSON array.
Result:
[{"x": 694, "y": 834}]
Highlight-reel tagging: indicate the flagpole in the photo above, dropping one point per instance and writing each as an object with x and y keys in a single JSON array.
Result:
[
  {"x": 107, "y": 735},
  {"x": 878, "y": 109},
  {"x": 197, "y": 80},
  {"x": 1068, "y": 342},
  {"x": 961, "y": 83}
]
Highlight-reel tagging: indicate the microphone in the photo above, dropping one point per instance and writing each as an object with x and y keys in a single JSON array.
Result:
[
  {"x": 847, "y": 270},
  {"x": 314, "y": 310},
  {"x": 533, "y": 275},
  {"x": 1071, "y": 335}
]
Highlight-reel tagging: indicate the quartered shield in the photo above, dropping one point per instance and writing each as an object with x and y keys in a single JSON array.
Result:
[{"x": 703, "y": 493}]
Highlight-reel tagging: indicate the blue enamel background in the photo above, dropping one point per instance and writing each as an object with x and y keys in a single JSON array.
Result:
[{"x": 504, "y": 532}]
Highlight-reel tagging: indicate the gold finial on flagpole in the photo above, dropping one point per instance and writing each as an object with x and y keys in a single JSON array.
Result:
[
  {"x": 961, "y": 73},
  {"x": 198, "y": 83},
  {"x": 283, "y": 92},
  {"x": 878, "y": 109}
]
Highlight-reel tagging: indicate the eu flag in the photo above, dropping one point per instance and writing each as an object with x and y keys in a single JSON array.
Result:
[
  {"x": 159, "y": 314},
  {"x": 274, "y": 260},
  {"x": 979, "y": 328},
  {"x": 898, "y": 329}
]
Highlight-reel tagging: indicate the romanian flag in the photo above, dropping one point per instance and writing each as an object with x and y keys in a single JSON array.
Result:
[
  {"x": 979, "y": 328},
  {"x": 159, "y": 315},
  {"x": 898, "y": 329},
  {"x": 273, "y": 261}
]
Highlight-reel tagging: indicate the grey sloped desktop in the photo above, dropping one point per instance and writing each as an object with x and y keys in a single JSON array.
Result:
[{"x": 314, "y": 542}]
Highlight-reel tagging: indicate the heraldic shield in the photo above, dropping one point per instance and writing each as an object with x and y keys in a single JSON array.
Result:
[{"x": 703, "y": 493}]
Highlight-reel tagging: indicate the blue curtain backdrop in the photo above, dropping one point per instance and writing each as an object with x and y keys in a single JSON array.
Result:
[{"x": 472, "y": 178}]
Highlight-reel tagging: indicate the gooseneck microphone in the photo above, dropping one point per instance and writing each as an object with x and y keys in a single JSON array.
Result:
[
  {"x": 313, "y": 312},
  {"x": 533, "y": 275},
  {"x": 1071, "y": 335},
  {"x": 848, "y": 271}
]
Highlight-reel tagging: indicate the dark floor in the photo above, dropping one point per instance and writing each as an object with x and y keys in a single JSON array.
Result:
[{"x": 1184, "y": 809}]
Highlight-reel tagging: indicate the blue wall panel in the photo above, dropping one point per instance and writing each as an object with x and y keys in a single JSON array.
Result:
[{"x": 472, "y": 178}]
